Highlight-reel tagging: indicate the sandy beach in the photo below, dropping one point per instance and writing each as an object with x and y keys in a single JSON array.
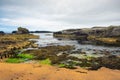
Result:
[{"x": 47, "y": 72}]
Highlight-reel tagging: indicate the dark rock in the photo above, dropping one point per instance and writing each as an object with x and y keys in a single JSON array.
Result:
[
  {"x": 111, "y": 61},
  {"x": 1, "y": 33},
  {"x": 22, "y": 30},
  {"x": 14, "y": 32},
  {"x": 113, "y": 31}
]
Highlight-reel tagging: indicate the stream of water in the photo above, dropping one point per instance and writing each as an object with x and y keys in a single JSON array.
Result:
[{"x": 47, "y": 39}]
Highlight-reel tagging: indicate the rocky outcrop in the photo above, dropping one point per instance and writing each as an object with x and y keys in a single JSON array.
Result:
[
  {"x": 110, "y": 31},
  {"x": 22, "y": 30},
  {"x": 99, "y": 35},
  {"x": 113, "y": 31}
]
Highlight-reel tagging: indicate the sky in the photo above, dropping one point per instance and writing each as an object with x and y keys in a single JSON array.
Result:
[{"x": 55, "y": 15}]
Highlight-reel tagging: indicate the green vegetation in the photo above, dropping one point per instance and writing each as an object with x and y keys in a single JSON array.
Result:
[
  {"x": 25, "y": 56},
  {"x": 70, "y": 65},
  {"x": 15, "y": 60},
  {"x": 61, "y": 65},
  {"x": 51, "y": 55},
  {"x": 12, "y": 43},
  {"x": 46, "y": 61},
  {"x": 20, "y": 58},
  {"x": 88, "y": 57},
  {"x": 50, "y": 52}
]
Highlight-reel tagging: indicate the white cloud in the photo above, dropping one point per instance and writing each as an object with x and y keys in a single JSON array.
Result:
[
  {"x": 52, "y": 14},
  {"x": 5, "y": 19}
]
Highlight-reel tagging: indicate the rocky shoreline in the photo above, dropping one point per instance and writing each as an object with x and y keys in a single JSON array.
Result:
[
  {"x": 50, "y": 62},
  {"x": 12, "y": 44},
  {"x": 93, "y": 58},
  {"x": 66, "y": 56},
  {"x": 107, "y": 36}
]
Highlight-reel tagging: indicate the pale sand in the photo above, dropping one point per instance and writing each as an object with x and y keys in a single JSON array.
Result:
[{"x": 46, "y": 72}]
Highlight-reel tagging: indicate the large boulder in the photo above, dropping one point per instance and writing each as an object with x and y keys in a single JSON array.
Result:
[{"x": 22, "y": 30}]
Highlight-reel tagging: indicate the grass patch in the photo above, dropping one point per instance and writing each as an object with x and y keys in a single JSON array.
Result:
[
  {"x": 69, "y": 65},
  {"x": 25, "y": 56},
  {"x": 15, "y": 60},
  {"x": 61, "y": 65},
  {"x": 20, "y": 58},
  {"x": 46, "y": 61}
]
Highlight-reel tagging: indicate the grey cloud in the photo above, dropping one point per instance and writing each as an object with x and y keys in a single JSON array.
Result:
[{"x": 66, "y": 12}]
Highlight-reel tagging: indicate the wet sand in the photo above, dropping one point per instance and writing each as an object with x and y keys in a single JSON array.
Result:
[{"x": 25, "y": 71}]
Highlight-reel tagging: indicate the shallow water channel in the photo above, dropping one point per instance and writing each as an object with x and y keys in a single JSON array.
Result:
[{"x": 47, "y": 39}]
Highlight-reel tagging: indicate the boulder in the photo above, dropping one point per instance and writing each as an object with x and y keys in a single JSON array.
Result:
[{"x": 22, "y": 30}]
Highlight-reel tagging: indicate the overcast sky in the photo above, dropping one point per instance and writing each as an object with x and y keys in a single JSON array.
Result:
[{"x": 56, "y": 15}]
